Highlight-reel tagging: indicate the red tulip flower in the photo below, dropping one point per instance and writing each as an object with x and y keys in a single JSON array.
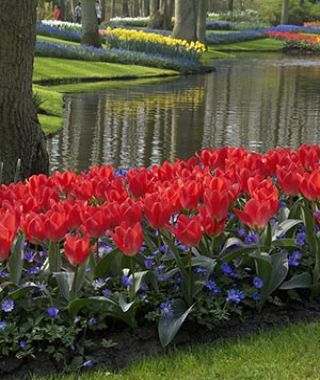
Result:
[
  {"x": 188, "y": 230},
  {"x": 310, "y": 186},
  {"x": 8, "y": 230},
  {"x": 128, "y": 239},
  {"x": 211, "y": 226},
  {"x": 77, "y": 249},
  {"x": 289, "y": 179},
  {"x": 256, "y": 214},
  {"x": 157, "y": 210}
]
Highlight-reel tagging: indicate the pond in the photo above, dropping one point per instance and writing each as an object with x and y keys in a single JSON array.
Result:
[{"x": 256, "y": 103}]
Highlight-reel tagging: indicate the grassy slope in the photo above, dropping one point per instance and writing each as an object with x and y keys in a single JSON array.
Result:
[
  {"x": 282, "y": 354},
  {"x": 265, "y": 44}
]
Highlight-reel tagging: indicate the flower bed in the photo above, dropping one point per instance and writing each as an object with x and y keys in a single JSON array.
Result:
[
  {"x": 297, "y": 41},
  {"x": 134, "y": 40},
  {"x": 55, "y": 32},
  {"x": 229, "y": 38},
  {"x": 222, "y": 233},
  {"x": 87, "y": 53}
]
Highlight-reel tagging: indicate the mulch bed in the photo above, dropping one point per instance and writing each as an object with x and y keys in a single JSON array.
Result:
[{"x": 144, "y": 342}]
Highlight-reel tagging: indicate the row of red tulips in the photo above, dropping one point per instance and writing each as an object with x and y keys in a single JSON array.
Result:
[
  {"x": 299, "y": 37},
  {"x": 189, "y": 198}
]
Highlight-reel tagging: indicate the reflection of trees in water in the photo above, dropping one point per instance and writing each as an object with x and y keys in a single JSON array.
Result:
[{"x": 257, "y": 107}]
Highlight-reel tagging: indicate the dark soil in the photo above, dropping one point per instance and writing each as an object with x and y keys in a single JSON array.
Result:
[{"x": 144, "y": 342}]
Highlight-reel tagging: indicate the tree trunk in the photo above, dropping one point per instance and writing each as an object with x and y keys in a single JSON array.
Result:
[
  {"x": 285, "y": 12},
  {"x": 185, "y": 26},
  {"x": 166, "y": 11},
  {"x": 154, "y": 6},
  {"x": 125, "y": 8},
  {"x": 21, "y": 134},
  {"x": 201, "y": 20},
  {"x": 230, "y": 5},
  {"x": 90, "y": 35},
  {"x": 113, "y": 9}
]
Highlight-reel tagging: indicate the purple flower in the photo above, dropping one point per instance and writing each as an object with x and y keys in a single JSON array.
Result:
[
  {"x": 227, "y": 270},
  {"x": 28, "y": 256},
  {"x": 166, "y": 309},
  {"x": 241, "y": 232},
  {"x": 251, "y": 238},
  {"x": 92, "y": 321},
  {"x": 257, "y": 282},
  {"x": 3, "y": 325},
  {"x": 235, "y": 295},
  {"x": 148, "y": 263},
  {"x": 53, "y": 312},
  {"x": 294, "y": 258},
  {"x": 98, "y": 283},
  {"x": 126, "y": 281},
  {"x": 256, "y": 296},
  {"x": 300, "y": 238},
  {"x": 33, "y": 271},
  {"x": 212, "y": 286},
  {"x": 22, "y": 344},
  {"x": 106, "y": 293},
  {"x": 7, "y": 306},
  {"x": 3, "y": 273},
  {"x": 88, "y": 363},
  {"x": 203, "y": 271}
]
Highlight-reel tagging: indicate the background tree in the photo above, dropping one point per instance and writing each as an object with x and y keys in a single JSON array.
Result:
[
  {"x": 190, "y": 19},
  {"x": 90, "y": 35},
  {"x": 21, "y": 134},
  {"x": 285, "y": 12}
]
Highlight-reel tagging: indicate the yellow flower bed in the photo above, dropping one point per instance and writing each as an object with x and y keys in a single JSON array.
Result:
[{"x": 138, "y": 35}]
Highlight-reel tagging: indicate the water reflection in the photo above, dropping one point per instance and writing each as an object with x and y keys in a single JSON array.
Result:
[{"x": 258, "y": 104}]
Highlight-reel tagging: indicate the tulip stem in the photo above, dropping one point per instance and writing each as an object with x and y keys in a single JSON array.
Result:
[
  {"x": 190, "y": 277},
  {"x": 133, "y": 279},
  {"x": 74, "y": 283}
]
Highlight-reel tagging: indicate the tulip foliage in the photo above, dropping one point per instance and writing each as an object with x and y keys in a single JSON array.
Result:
[{"x": 204, "y": 238}]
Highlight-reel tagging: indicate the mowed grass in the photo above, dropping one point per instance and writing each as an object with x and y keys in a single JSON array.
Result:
[
  {"x": 290, "y": 353},
  {"x": 62, "y": 69},
  {"x": 262, "y": 45}
]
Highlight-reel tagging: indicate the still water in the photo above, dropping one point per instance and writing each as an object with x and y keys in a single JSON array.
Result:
[{"x": 256, "y": 103}]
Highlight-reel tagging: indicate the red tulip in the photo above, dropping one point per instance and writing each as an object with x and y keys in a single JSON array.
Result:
[
  {"x": 8, "y": 229},
  {"x": 127, "y": 238},
  {"x": 96, "y": 221},
  {"x": 157, "y": 210},
  {"x": 310, "y": 186},
  {"x": 188, "y": 230},
  {"x": 289, "y": 179},
  {"x": 55, "y": 225},
  {"x": 211, "y": 226},
  {"x": 33, "y": 228},
  {"x": 190, "y": 194},
  {"x": 77, "y": 249},
  {"x": 217, "y": 203},
  {"x": 256, "y": 214}
]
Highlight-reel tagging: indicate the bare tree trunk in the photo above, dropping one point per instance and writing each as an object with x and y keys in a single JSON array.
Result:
[
  {"x": 185, "y": 20},
  {"x": 21, "y": 134},
  {"x": 230, "y": 5},
  {"x": 113, "y": 9},
  {"x": 166, "y": 11},
  {"x": 154, "y": 6},
  {"x": 285, "y": 12},
  {"x": 201, "y": 20},
  {"x": 125, "y": 8},
  {"x": 90, "y": 35}
]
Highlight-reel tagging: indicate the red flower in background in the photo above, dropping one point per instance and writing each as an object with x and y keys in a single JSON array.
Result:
[{"x": 128, "y": 239}]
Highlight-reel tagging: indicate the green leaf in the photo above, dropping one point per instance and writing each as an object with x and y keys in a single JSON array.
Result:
[
  {"x": 104, "y": 266},
  {"x": 64, "y": 280},
  {"x": 238, "y": 252},
  {"x": 17, "y": 294},
  {"x": 168, "y": 327},
  {"x": 204, "y": 262},
  {"x": 280, "y": 268},
  {"x": 298, "y": 281},
  {"x": 54, "y": 256},
  {"x": 138, "y": 278},
  {"x": 124, "y": 305},
  {"x": 267, "y": 237},
  {"x": 283, "y": 227},
  {"x": 16, "y": 259},
  {"x": 77, "y": 304}
]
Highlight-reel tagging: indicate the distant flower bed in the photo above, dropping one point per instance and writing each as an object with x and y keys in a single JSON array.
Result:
[
  {"x": 298, "y": 41},
  {"x": 228, "y": 38},
  {"x": 219, "y": 25},
  {"x": 129, "y": 21},
  {"x": 312, "y": 23},
  {"x": 296, "y": 29},
  {"x": 222, "y": 233},
  {"x": 56, "y": 32},
  {"x": 87, "y": 53},
  {"x": 134, "y": 40},
  {"x": 63, "y": 25}
]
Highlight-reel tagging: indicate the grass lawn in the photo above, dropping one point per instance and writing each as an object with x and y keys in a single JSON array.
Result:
[
  {"x": 290, "y": 353},
  {"x": 262, "y": 45}
]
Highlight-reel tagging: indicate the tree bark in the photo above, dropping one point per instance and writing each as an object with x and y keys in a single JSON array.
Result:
[
  {"x": 285, "y": 12},
  {"x": 90, "y": 35},
  {"x": 166, "y": 11},
  {"x": 125, "y": 8},
  {"x": 113, "y": 9},
  {"x": 201, "y": 20},
  {"x": 21, "y": 134},
  {"x": 190, "y": 20}
]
